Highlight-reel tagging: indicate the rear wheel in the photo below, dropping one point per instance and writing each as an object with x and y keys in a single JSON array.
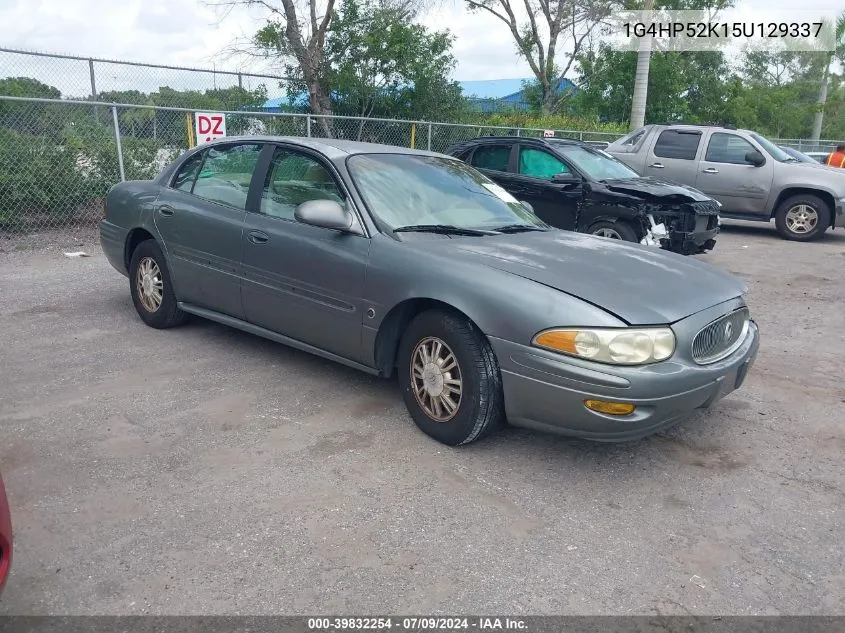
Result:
[
  {"x": 802, "y": 218},
  {"x": 618, "y": 230},
  {"x": 450, "y": 378},
  {"x": 152, "y": 290}
]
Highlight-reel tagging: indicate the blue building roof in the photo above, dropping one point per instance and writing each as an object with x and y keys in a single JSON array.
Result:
[{"x": 486, "y": 93}]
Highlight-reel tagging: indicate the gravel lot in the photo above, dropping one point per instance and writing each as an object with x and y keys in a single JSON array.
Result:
[{"x": 203, "y": 470}]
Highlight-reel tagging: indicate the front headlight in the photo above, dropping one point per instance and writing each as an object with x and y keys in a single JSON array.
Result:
[{"x": 623, "y": 346}]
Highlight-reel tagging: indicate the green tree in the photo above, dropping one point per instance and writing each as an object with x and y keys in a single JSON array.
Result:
[
  {"x": 379, "y": 62},
  {"x": 546, "y": 25},
  {"x": 27, "y": 117}
]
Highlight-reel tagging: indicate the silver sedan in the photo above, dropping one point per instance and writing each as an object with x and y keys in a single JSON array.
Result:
[{"x": 411, "y": 263}]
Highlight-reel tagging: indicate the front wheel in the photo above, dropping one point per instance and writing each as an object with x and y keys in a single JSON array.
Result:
[
  {"x": 802, "y": 218},
  {"x": 618, "y": 230},
  {"x": 450, "y": 378}
]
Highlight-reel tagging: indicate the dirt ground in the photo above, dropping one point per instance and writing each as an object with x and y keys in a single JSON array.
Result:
[{"x": 203, "y": 470}]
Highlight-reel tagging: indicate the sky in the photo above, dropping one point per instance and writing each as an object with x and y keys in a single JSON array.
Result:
[{"x": 195, "y": 33}]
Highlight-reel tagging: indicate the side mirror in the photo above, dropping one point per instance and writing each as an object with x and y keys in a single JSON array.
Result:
[
  {"x": 755, "y": 158},
  {"x": 327, "y": 214},
  {"x": 527, "y": 205},
  {"x": 565, "y": 179}
]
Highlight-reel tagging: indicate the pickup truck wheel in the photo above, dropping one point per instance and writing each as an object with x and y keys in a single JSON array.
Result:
[
  {"x": 618, "y": 230},
  {"x": 152, "y": 291},
  {"x": 802, "y": 218},
  {"x": 450, "y": 379}
]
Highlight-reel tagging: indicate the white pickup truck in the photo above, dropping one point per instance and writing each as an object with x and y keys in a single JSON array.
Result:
[{"x": 749, "y": 175}]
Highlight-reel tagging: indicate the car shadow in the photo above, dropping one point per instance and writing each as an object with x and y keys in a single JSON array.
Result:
[{"x": 768, "y": 231}]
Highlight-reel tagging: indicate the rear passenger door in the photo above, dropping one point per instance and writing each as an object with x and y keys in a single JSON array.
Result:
[
  {"x": 674, "y": 156},
  {"x": 200, "y": 218}
]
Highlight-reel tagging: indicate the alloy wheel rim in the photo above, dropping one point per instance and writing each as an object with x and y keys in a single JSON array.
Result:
[
  {"x": 436, "y": 379},
  {"x": 150, "y": 284},
  {"x": 608, "y": 232},
  {"x": 801, "y": 218}
]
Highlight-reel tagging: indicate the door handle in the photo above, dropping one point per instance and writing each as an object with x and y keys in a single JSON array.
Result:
[
  {"x": 258, "y": 237},
  {"x": 710, "y": 170},
  {"x": 657, "y": 165},
  {"x": 165, "y": 209}
]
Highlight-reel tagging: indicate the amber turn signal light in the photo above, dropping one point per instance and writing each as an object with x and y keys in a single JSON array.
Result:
[{"x": 610, "y": 408}]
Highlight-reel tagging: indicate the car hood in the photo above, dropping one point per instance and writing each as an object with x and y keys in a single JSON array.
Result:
[
  {"x": 656, "y": 189},
  {"x": 640, "y": 285}
]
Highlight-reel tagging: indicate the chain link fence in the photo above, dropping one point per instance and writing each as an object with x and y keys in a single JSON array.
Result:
[
  {"x": 58, "y": 158},
  {"x": 89, "y": 77}
]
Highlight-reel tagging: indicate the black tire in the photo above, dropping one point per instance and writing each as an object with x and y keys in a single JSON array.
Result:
[
  {"x": 480, "y": 406},
  {"x": 167, "y": 314},
  {"x": 621, "y": 228},
  {"x": 816, "y": 204}
]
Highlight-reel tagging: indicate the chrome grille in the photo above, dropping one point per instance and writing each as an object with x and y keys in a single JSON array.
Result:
[{"x": 720, "y": 338}]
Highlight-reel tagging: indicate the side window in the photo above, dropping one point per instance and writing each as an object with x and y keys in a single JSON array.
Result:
[
  {"x": 539, "y": 164},
  {"x": 226, "y": 174},
  {"x": 493, "y": 157},
  {"x": 728, "y": 148},
  {"x": 677, "y": 144},
  {"x": 293, "y": 179},
  {"x": 187, "y": 174},
  {"x": 633, "y": 139}
]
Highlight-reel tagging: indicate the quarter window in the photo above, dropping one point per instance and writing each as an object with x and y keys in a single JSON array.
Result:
[
  {"x": 679, "y": 144},
  {"x": 293, "y": 179},
  {"x": 227, "y": 173},
  {"x": 728, "y": 148},
  {"x": 493, "y": 157},
  {"x": 539, "y": 164},
  {"x": 187, "y": 174}
]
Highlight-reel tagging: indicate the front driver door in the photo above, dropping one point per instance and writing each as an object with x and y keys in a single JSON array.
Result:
[
  {"x": 200, "y": 218},
  {"x": 303, "y": 281},
  {"x": 554, "y": 203},
  {"x": 725, "y": 175}
]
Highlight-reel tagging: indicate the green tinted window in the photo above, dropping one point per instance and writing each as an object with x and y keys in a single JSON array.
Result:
[
  {"x": 495, "y": 157},
  {"x": 539, "y": 164},
  {"x": 226, "y": 174}
]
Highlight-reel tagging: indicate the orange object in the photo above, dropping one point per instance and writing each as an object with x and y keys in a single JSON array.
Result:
[{"x": 836, "y": 159}]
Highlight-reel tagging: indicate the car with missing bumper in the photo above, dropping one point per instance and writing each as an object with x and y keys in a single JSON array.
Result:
[
  {"x": 411, "y": 263},
  {"x": 575, "y": 186},
  {"x": 750, "y": 176}
]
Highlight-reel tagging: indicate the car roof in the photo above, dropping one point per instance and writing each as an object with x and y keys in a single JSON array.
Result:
[{"x": 332, "y": 147}]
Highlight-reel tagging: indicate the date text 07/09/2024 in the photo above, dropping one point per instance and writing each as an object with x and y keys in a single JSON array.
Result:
[{"x": 415, "y": 623}]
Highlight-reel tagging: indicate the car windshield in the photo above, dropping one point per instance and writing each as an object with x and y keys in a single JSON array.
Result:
[
  {"x": 773, "y": 150},
  {"x": 596, "y": 164},
  {"x": 416, "y": 190}
]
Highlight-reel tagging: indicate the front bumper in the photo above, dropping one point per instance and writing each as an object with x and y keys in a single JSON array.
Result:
[
  {"x": 546, "y": 391},
  {"x": 839, "y": 214}
]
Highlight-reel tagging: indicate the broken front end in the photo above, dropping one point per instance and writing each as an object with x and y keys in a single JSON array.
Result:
[{"x": 688, "y": 228}]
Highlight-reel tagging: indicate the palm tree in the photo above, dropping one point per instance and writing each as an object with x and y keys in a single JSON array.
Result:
[
  {"x": 839, "y": 54},
  {"x": 641, "y": 79}
]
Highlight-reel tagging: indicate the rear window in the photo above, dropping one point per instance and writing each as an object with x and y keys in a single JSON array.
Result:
[
  {"x": 494, "y": 157},
  {"x": 681, "y": 144}
]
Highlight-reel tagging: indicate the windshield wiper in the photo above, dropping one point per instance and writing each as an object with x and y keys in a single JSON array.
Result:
[
  {"x": 444, "y": 229},
  {"x": 518, "y": 228}
]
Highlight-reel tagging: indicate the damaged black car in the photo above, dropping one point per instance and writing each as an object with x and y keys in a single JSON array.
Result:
[{"x": 573, "y": 186}]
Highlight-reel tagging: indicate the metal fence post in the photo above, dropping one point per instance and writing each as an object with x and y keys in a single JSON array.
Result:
[
  {"x": 429, "y": 137},
  {"x": 308, "y": 124},
  {"x": 119, "y": 146},
  {"x": 240, "y": 81},
  {"x": 93, "y": 87}
]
